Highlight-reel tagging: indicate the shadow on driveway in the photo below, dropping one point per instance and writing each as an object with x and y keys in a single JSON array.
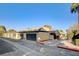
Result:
[{"x": 5, "y": 47}]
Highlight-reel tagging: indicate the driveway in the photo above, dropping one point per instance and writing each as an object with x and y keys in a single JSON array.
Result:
[{"x": 32, "y": 48}]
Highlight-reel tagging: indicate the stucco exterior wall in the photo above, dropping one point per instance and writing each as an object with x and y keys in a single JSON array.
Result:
[
  {"x": 12, "y": 35},
  {"x": 42, "y": 36}
]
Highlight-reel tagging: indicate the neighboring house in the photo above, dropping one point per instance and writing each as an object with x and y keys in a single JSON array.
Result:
[
  {"x": 35, "y": 35},
  {"x": 12, "y": 35},
  {"x": 60, "y": 34},
  {"x": 38, "y": 34},
  {"x": 32, "y": 35}
]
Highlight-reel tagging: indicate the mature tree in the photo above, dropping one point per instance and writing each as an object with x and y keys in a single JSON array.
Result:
[
  {"x": 45, "y": 28},
  {"x": 12, "y": 31},
  {"x": 75, "y": 8},
  {"x": 60, "y": 32},
  {"x": 2, "y": 30}
]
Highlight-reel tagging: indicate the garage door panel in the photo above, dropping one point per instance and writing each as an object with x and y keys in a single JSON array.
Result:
[{"x": 31, "y": 36}]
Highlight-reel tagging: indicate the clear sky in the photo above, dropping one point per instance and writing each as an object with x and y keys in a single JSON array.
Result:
[{"x": 19, "y": 16}]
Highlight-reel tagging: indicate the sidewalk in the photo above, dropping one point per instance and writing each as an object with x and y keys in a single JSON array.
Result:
[{"x": 70, "y": 45}]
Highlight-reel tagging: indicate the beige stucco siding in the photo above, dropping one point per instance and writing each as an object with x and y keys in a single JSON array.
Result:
[
  {"x": 41, "y": 36},
  {"x": 12, "y": 35}
]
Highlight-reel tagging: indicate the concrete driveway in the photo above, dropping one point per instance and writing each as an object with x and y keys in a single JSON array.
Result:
[{"x": 31, "y": 48}]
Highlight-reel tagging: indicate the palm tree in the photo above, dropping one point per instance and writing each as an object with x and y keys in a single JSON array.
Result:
[{"x": 75, "y": 8}]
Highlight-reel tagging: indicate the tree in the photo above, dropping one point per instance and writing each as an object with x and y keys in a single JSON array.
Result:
[
  {"x": 60, "y": 32},
  {"x": 12, "y": 31},
  {"x": 45, "y": 28},
  {"x": 74, "y": 9},
  {"x": 2, "y": 30}
]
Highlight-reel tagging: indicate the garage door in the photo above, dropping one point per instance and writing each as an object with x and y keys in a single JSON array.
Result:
[{"x": 31, "y": 36}]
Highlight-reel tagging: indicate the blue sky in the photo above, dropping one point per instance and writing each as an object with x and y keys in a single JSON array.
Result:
[{"x": 18, "y": 16}]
